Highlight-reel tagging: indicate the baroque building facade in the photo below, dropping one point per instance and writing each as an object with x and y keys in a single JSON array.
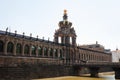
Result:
[{"x": 64, "y": 46}]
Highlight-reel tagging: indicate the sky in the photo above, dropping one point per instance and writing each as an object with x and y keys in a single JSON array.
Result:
[{"x": 93, "y": 20}]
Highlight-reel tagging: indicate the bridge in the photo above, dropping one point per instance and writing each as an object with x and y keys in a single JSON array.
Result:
[{"x": 94, "y": 68}]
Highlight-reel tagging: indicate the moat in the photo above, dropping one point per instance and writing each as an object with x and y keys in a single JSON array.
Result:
[{"x": 102, "y": 76}]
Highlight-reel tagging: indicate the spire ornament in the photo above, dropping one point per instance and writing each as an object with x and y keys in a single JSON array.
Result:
[
  {"x": 65, "y": 15},
  {"x": 65, "y": 11}
]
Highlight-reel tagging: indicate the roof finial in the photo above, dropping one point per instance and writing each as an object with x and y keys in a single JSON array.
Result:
[
  {"x": 65, "y": 11},
  {"x": 65, "y": 15}
]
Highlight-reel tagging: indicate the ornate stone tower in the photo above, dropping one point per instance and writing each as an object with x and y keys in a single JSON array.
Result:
[{"x": 65, "y": 34}]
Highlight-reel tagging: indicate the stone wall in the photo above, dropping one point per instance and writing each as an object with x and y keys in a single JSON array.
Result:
[
  {"x": 28, "y": 68},
  {"x": 27, "y": 72}
]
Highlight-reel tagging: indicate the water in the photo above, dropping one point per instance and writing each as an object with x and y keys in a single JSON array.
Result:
[
  {"x": 102, "y": 76},
  {"x": 108, "y": 77}
]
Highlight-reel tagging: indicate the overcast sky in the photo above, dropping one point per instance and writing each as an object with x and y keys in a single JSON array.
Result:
[{"x": 93, "y": 20}]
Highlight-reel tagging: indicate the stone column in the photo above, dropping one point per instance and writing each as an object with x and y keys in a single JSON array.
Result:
[
  {"x": 5, "y": 47},
  {"x": 30, "y": 50},
  {"x": 68, "y": 58},
  {"x": 54, "y": 53},
  {"x": 117, "y": 72},
  {"x": 42, "y": 51},
  {"x": 58, "y": 53},
  {"x": 23, "y": 49},
  {"x": 48, "y": 52},
  {"x": 73, "y": 41},
  {"x": 65, "y": 55},
  {"x": 14, "y": 48},
  {"x": 37, "y": 51}
]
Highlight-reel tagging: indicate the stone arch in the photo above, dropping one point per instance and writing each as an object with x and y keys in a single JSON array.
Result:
[
  {"x": 26, "y": 50},
  {"x": 1, "y": 46},
  {"x": 33, "y": 48},
  {"x": 10, "y": 47},
  {"x": 18, "y": 49},
  {"x": 39, "y": 51}
]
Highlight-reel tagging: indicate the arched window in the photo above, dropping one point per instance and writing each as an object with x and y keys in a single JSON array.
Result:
[
  {"x": 26, "y": 50},
  {"x": 45, "y": 52},
  {"x": 10, "y": 47},
  {"x": 51, "y": 52},
  {"x": 1, "y": 46},
  {"x": 18, "y": 48},
  {"x": 55, "y": 51},
  {"x": 33, "y": 50},
  {"x": 39, "y": 51}
]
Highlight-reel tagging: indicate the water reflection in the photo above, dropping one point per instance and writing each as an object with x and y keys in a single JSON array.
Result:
[{"x": 109, "y": 77}]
